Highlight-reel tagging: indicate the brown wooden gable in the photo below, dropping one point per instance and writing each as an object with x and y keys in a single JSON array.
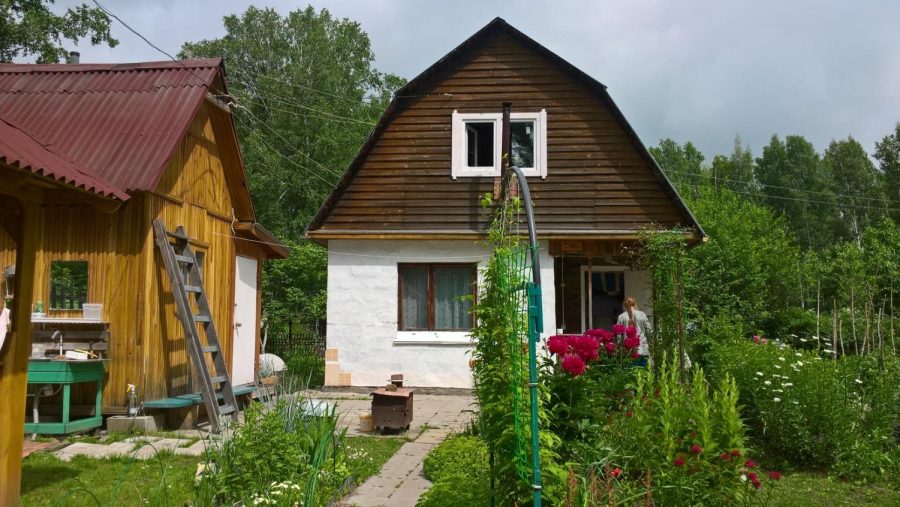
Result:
[{"x": 601, "y": 181}]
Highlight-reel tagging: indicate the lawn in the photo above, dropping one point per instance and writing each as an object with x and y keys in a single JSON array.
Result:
[
  {"x": 807, "y": 488},
  {"x": 168, "y": 480}
]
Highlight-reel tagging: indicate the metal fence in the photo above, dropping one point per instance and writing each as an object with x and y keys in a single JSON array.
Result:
[{"x": 282, "y": 337}]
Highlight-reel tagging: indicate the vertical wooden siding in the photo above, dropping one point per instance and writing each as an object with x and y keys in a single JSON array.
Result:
[
  {"x": 126, "y": 273},
  {"x": 597, "y": 179}
]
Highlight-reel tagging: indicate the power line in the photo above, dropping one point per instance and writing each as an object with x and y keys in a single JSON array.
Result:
[
  {"x": 328, "y": 116},
  {"x": 259, "y": 121},
  {"x": 154, "y": 46},
  {"x": 749, "y": 183}
]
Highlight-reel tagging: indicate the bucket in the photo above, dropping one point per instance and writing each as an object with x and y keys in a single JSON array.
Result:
[
  {"x": 91, "y": 311},
  {"x": 365, "y": 423}
]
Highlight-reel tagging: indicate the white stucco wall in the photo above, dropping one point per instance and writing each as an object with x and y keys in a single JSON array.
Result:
[{"x": 362, "y": 312}]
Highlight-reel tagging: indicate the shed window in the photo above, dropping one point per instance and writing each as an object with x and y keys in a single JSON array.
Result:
[
  {"x": 436, "y": 297},
  {"x": 68, "y": 284},
  {"x": 477, "y": 143}
]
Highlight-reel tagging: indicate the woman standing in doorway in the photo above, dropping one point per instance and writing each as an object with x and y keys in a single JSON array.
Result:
[{"x": 637, "y": 319}]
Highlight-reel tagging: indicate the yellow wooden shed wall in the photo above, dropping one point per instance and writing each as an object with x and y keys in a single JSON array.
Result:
[{"x": 126, "y": 272}]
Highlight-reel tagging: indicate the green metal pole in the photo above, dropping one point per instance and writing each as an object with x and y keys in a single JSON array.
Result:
[{"x": 535, "y": 326}]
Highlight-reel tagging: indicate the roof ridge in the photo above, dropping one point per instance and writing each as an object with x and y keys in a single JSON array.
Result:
[{"x": 21, "y": 68}]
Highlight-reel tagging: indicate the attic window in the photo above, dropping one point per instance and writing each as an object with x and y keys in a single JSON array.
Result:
[{"x": 477, "y": 143}]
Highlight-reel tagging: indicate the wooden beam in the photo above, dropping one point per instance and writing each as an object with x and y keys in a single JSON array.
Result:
[
  {"x": 14, "y": 360},
  {"x": 69, "y": 197}
]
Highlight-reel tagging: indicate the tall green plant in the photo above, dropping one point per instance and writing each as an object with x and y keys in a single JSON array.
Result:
[{"x": 499, "y": 363}]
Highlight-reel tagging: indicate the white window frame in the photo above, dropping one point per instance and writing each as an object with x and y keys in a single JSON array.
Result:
[{"x": 459, "y": 158}]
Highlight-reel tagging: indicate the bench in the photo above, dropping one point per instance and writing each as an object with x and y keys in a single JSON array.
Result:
[{"x": 187, "y": 400}]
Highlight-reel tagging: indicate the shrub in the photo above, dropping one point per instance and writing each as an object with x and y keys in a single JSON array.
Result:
[
  {"x": 307, "y": 366},
  {"x": 460, "y": 471},
  {"x": 689, "y": 436},
  {"x": 281, "y": 452},
  {"x": 814, "y": 411}
]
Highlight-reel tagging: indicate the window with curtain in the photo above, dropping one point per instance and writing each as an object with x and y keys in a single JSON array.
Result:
[{"x": 433, "y": 297}]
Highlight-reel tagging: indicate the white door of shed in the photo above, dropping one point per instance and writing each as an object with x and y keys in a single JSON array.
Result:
[{"x": 244, "y": 345}]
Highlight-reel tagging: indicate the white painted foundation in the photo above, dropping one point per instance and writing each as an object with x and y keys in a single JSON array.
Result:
[{"x": 364, "y": 345}]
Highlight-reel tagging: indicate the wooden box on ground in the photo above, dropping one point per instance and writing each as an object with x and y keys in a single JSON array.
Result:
[{"x": 392, "y": 409}]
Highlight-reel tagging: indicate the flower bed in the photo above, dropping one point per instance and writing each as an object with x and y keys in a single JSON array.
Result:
[{"x": 813, "y": 411}]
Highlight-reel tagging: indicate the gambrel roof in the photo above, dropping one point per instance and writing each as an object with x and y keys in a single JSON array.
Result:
[{"x": 601, "y": 180}]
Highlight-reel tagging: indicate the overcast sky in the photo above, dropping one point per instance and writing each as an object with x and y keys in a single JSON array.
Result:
[{"x": 702, "y": 71}]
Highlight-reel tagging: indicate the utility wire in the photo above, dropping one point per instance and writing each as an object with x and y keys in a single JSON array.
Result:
[{"x": 750, "y": 183}]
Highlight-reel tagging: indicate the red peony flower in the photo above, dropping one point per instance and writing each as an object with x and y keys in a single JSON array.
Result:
[
  {"x": 631, "y": 342},
  {"x": 696, "y": 449},
  {"x": 606, "y": 336},
  {"x": 750, "y": 464},
  {"x": 679, "y": 462},
  {"x": 631, "y": 331},
  {"x": 754, "y": 480},
  {"x": 735, "y": 453},
  {"x": 610, "y": 348},
  {"x": 756, "y": 338},
  {"x": 775, "y": 476},
  {"x": 586, "y": 347},
  {"x": 725, "y": 456},
  {"x": 558, "y": 344},
  {"x": 618, "y": 329},
  {"x": 616, "y": 472},
  {"x": 635, "y": 355},
  {"x": 573, "y": 364},
  {"x": 628, "y": 414}
]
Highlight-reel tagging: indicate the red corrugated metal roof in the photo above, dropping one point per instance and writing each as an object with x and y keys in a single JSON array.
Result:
[
  {"x": 118, "y": 122},
  {"x": 17, "y": 149}
]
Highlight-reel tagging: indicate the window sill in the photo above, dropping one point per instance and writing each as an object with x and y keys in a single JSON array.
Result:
[{"x": 432, "y": 338}]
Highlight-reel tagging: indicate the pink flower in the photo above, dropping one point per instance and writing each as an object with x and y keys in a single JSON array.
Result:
[
  {"x": 558, "y": 344},
  {"x": 586, "y": 347},
  {"x": 610, "y": 348},
  {"x": 735, "y": 453},
  {"x": 756, "y": 338},
  {"x": 618, "y": 329},
  {"x": 725, "y": 456},
  {"x": 750, "y": 464},
  {"x": 635, "y": 355},
  {"x": 631, "y": 342},
  {"x": 754, "y": 480},
  {"x": 775, "y": 476},
  {"x": 616, "y": 472},
  {"x": 631, "y": 331},
  {"x": 573, "y": 364},
  {"x": 696, "y": 449},
  {"x": 679, "y": 462},
  {"x": 764, "y": 341}
]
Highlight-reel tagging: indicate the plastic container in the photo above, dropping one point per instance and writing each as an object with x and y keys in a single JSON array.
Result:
[
  {"x": 365, "y": 423},
  {"x": 91, "y": 311}
]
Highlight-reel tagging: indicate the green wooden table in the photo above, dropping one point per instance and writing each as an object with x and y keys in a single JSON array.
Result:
[{"x": 68, "y": 373}]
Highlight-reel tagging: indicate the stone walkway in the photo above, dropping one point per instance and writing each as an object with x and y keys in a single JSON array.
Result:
[
  {"x": 138, "y": 447},
  {"x": 401, "y": 480}
]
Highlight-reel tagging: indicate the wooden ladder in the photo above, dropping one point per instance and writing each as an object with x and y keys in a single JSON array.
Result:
[{"x": 185, "y": 278}]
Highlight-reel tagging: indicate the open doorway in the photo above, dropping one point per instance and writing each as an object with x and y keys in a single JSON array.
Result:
[{"x": 601, "y": 296}]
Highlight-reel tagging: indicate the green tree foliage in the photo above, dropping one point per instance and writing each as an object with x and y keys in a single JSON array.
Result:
[
  {"x": 792, "y": 181},
  {"x": 31, "y": 28},
  {"x": 747, "y": 268},
  {"x": 887, "y": 152},
  {"x": 683, "y": 164},
  {"x": 735, "y": 171},
  {"x": 306, "y": 95},
  {"x": 855, "y": 184}
]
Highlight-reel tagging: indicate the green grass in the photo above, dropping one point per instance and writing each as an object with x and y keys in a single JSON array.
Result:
[
  {"x": 366, "y": 455},
  {"x": 46, "y": 480},
  {"x": 813, "y": 489}
]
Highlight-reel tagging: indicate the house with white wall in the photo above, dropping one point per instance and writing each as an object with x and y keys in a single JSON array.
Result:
[{"x": 406, "y": 233}]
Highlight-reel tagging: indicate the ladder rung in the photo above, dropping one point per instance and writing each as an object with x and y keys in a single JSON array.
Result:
[
  {"x": 226, "y": 409},
  {"x": 184, "y": 258},
  {"x": 220, "y": 379},
  {"x": 201, "y": 318},
  {"x": 211, "y": 348},
  {"x": 177, "y": 235},
  {"x": 192, "y": 288}
]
